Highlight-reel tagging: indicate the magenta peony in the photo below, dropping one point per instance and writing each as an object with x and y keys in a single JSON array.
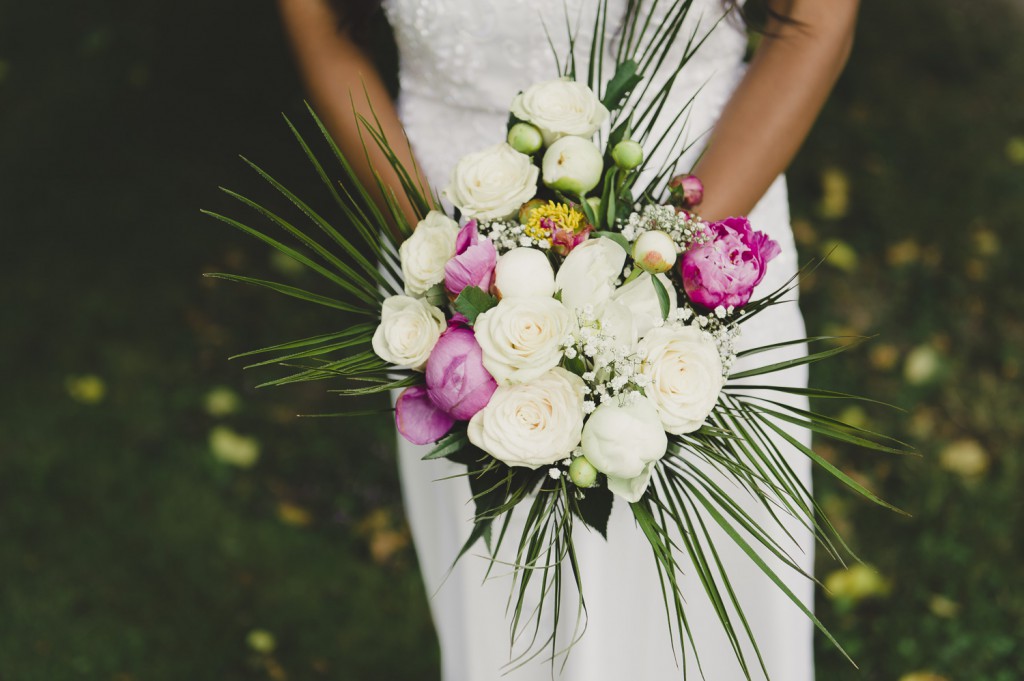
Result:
[
  {"x": 473, "y": 264},
  {"x": 724, "y": 270},
  {"x": 418, "y": 419},
  {"x": 688, "y": 190},
  {"x": 456, "y": 379}
]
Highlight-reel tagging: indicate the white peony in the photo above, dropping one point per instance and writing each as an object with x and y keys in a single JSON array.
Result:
[
  {"x": 532, "y": 424},
  {"x": 522, "y": 273},
  {"x": 521, "y": 337},
  {"x": 409, "y": 329},
  {"x": 642, "y": 300},
  {"x": 427, "y": 251},
  {"x": 572, "y": 165},
  {"x": 654, "y": 252},
  {"x": 493, "y": 183},
  {"x": 686, "y": 376},
  {"x": 621, "y": 439},
  {"x": 560, "y": 107},
  {"x": 617, "y": 321},
  {"x": 587, "y": 277}
]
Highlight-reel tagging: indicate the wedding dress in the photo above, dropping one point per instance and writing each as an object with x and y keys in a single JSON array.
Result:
[{"x": 461, "y": 63}]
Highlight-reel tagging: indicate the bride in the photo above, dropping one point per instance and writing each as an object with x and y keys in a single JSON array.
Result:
[{"x": 461, "y": 63}]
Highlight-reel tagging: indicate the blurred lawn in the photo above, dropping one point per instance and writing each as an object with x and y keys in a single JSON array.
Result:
[{"x": 160, "y": 519}]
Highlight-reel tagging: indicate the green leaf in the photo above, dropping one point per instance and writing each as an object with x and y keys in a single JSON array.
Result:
[
  {"x": 473, "y": 302},
  {"x": 621, "y": 84},
  {"x": 447, "y": 445},
  {"x": 616, "y": 237},
  {"x": 663, "y": 300},
  {"x": 595, "y": 508},
  {"x": 293, "y": 292}
]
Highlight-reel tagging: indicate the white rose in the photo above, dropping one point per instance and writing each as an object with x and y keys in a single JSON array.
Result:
[
  {"x": 427, "y": 251},
  {"x": 573, "y": 165},
  {"x": 521, "y": 337},
  {"x": 686, "y": 376},
  {"x": 642, "y": 300},
  {"x": 560, "y": 107},
  {"x": 409, "y": 329},
  {"x": 493, "y": 183},
  {"x": 524, "y": 273},
  {"x": 532, "y": 424},
  {"x": 587, "y": 277}
]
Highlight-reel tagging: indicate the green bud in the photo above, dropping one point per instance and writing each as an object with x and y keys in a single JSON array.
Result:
[
  {"x": 628, "y": 154},
  {"x": 582, "y": 472},
  {"x": 525, "y": 138}
]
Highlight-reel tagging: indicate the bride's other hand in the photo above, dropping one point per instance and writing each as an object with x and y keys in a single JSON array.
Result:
[
  {"x": 336, "y": 71},
  {"x": 774, "y": 107}
]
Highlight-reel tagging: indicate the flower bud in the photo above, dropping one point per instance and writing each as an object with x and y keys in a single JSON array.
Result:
[
  {"x": 572, "y": 165},
  {"x": 628, "y": 154},
  {"x": 582, "y": 472},
  {"x": 688, "y": 188},
  {"x": 595, "y": 204},
  {"x": 525, "y": 138},
  {"x": 654, "y": 252}
]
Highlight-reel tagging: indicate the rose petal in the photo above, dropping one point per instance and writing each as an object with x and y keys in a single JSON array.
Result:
[{"x": 418, "y": 418}]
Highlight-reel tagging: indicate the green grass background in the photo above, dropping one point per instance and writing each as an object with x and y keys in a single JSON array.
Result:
[{"x": 129, "y": 551}]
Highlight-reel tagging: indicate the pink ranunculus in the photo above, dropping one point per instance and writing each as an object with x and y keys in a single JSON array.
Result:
[
  {"x": 456, "y": 379},
  {"x": 724, "y": 270},
  {"x": 473, "y": 264},
  {"x": 419, "y": 420},
  {"x": 564, "y": 240}
]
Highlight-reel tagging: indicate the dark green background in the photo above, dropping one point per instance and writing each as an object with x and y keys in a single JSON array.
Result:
[{"x": 128, "y": 551}]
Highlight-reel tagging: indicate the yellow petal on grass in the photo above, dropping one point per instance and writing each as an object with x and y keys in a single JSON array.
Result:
[
  {"x": 840, "y": 255},
  {"x": 856, "y": 583},
  {"x": 922, "y": 676},
  {"x": 261, "y": 640},
  {"x": 1015, "y": 150},
  {"x": 292, "y": 514},
  {"x": 922, "y": 365},
  {"x": 86, "y": 389},
  {"x": 835, "y": 194},
  {"x": 966, "y": 458},
  {"x": 233, "y": 449},
  {"x": 221, "y": 401}
]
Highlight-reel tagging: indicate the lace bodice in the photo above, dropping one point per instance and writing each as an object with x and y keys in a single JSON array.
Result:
[{"x": 462, "y": 62}]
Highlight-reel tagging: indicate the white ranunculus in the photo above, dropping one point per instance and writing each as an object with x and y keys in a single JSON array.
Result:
[
  {"x": 572, "y": 165},
  {"x": 686, "y": 376},
  {"x": 409, "y": 329},
  {"x": 532, "y": 424},
  {"x": 427, "y": 251},
  {"x": 642, "y": 300},
  {"x": 560, "y": 107},
  {"x": 521, "y": 337},
  {"x": 587, "y": 277},
  {"x": 620, "y": 440},
  {"x": 493, "y": 183},
  {"x": 524, "y": 273}
]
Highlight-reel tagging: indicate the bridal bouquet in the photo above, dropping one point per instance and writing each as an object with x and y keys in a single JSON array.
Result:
[{"x": 567, "y": 334}]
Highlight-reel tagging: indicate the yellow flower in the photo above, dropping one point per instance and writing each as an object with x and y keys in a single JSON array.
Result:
[{"x": 543, "y": 220}]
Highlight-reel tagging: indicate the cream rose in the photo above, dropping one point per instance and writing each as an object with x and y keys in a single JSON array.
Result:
[
  {"x": 686, "y": 376},
  {"x": 409, "y": 329},
  {"x": 521, "y": 337},
  {"x": 560, "y": 107},
  {"x": 587, "y": 277},
  {"x": 427, "y": 251},
  {"x": 524, "y": 273},
  {"x": 532, "y": 424},
  {"x": 642, "y": 300},
  {"x": 493, "y": 183}
]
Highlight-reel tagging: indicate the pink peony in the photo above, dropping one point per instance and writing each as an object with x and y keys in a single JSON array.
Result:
[
  {"x": 456, "y": 379},
  {"x": 725, "y": 270},
  {"x": 688, "y": 190},
  {"x": 419, "y": 420},
  {"x": 473, "y": 264}
]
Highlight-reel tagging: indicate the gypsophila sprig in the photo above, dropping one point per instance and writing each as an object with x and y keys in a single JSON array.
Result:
[{"x": 681, "y": 227}]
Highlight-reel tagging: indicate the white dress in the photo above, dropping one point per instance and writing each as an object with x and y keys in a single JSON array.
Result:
[{"x": 461, "y": 62}]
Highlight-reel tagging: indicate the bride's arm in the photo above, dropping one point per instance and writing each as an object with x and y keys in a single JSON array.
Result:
[
  {"x": 336, "y": 71},
  {"x": 775, "y": 105}
]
